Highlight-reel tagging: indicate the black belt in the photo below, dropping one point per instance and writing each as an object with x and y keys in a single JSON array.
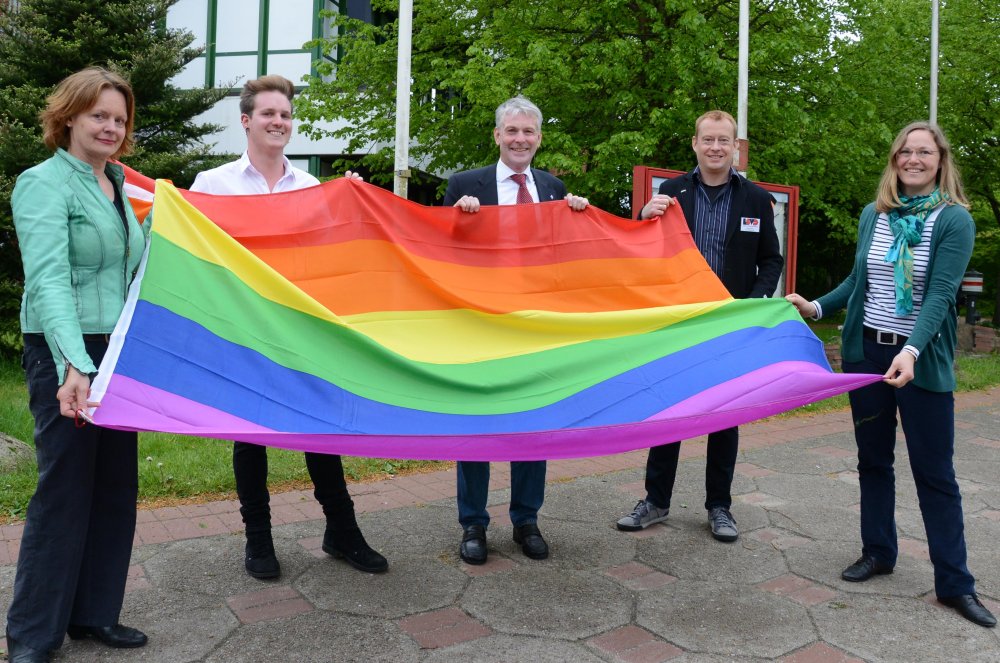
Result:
[
  {"x": 39, "y": 339},
  {"x": 884, "y": 337}
]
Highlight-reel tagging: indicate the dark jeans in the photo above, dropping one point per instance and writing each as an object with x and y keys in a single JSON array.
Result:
[
  {"x": 77, "y": 540},
  {"x": 326, "y": 471},
  {"x": 527, "y": 491},
  {"x": 661, "y": 470},
  {"x": 928, "y": 420}
]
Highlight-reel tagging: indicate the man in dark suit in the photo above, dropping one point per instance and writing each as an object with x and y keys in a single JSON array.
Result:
[
  {"x": 511, "y": 181},
  {"x": 732, "y": 221}
]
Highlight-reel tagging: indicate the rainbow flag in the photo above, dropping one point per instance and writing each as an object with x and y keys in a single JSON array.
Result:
[
  {"x": 139, "y": 191},
  {"x": 343, "y": 319}
]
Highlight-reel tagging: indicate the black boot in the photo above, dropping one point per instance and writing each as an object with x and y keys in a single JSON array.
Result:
[
  {"x": 261, "y": 562},
  {"x": 348, "y": 543}
]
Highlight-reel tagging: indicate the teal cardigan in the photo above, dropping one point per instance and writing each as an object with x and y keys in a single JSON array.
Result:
[
  {"x": 933, "y": 335},
  {"x": 78, "y": 263}
]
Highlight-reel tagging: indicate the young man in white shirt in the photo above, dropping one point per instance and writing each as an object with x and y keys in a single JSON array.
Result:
[{"x": 266, "y": 115}]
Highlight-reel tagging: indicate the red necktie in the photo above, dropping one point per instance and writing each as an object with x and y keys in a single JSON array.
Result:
[{"x": 523, "y": 195}]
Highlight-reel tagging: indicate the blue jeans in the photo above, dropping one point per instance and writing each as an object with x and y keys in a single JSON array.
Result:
[
  {"x": 527, "y": 490},
  {"x": 928, "y": 420}
]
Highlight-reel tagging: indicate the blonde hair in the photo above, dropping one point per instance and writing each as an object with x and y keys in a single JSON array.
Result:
[
  {"x": 77, "y": 93},
  {"x": 271, "y": 83},
  {"x": 949, "y": 181},
  {"x": 715, "y": 116}
]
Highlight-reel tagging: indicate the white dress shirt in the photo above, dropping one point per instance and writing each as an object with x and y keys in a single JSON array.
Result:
[
  {"x": 240, "y": 178},
  {"x": 507, "y": 188}
]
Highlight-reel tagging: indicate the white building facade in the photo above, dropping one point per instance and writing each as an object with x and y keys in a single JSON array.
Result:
[{"x": 246, "y": 39}]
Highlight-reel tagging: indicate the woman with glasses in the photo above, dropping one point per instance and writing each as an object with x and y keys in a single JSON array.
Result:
[
  {"x": 914, "y": 244},
  {"x": 80, "y": 245}
]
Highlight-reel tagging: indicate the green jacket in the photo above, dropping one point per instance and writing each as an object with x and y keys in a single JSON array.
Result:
[
  {"x": 78, "y": 263},
  {"x": 934, "y": 333}
]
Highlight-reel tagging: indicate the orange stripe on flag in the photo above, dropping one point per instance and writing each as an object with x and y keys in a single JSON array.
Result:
[{"x": 363, "y": 276}]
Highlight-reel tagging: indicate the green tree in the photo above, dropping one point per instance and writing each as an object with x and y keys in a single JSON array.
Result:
[
  {"x": 43, "y": 41},
  {"x": 870, "y": 89},
  {"x": 620, "y": 82},
  {"x": 970, "y": 114},
  {"x": 887, "y": 64}
]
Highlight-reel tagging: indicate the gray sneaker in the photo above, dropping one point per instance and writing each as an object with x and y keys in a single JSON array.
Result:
[
  {"x": 723, "y": 524},
  {"x": 643, "y": 515}
]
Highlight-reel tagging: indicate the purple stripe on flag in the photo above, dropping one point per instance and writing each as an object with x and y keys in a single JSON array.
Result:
[
  {"x": 131, "y": 400},
  {"x": 771, "y": 388},
  {"x": 788, "y": 384}
]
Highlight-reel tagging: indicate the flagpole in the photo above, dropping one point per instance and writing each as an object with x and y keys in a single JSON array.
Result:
[
  {"x": 402, "y": 165},
  {"x": 934, "y": 60},
  {"x": 743, "y": 84}
]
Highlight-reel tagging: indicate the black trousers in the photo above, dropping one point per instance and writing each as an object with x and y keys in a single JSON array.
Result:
[
  {"x": 928, "y": 422},
  {"x": 661, "y": 470},
  {"x": 325, "y": 470},
  {"x": 77, "y": 540}
]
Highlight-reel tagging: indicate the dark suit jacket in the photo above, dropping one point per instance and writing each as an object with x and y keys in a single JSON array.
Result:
[
  {"x": 482, "y": 183},
  {"x": 752, "y": 263}
]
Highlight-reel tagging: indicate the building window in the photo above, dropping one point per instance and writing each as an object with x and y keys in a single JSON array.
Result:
[{"x": 246, "y": 39}]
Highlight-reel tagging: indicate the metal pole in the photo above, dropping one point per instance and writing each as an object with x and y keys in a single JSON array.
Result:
[
  {"x": 934, "y": 60},
  {"x": 744, "y": 65},
  {"x": 402, "y": 169}
]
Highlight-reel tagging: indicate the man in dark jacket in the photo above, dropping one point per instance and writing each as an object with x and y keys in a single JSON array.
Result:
[
  {"x": 732, "y": 221},
  {"x": 510, "y": 181}
]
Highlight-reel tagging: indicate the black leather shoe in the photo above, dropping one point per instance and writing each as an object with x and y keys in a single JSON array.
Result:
[
  {"x": 532, "y": 543},
  {"x": 350, "y": 545},
  {"x": 117, "y": 636},
  {"x": 18, "y": 653},
  {"x": 970, "y": 607},
  {"x": 863, "y": 569},
  {"x": 261, "y": 562},
  {"x": 473, "y": 548}
]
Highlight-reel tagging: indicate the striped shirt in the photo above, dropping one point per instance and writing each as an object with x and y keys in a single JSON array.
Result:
[
  {"x": 710, "y": 219},
  {"x": 880, "y": 291}
]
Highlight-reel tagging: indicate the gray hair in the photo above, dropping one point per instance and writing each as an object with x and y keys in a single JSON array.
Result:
[{"x": 518, "y": 106}]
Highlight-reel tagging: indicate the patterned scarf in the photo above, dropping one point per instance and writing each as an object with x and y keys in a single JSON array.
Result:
[{"x": 907, "y": 223}]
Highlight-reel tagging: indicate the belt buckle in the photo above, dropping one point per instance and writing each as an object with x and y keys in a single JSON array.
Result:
[{"x": 885, "y": 337}]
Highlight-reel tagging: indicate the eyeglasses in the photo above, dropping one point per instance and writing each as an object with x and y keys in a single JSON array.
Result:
[
  {"x": 708, "y": 141},
  {"x": 906, "y": 153}
]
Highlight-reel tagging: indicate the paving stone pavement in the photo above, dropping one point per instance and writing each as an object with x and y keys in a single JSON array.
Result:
[{"x": 667, "y": 593}]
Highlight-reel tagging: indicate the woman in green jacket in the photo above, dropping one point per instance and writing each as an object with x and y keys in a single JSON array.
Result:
[
  {"x": 914, "y": 243},
  {"x": 80, "y": 246}
]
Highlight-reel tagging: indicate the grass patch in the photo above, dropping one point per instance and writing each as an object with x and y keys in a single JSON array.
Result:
[
  {"x": 976, "y": 372},
  {"x": 178, "y": 466},
  {"x": 175, "y": 468},
  {"x": 826, "y": 331}
]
